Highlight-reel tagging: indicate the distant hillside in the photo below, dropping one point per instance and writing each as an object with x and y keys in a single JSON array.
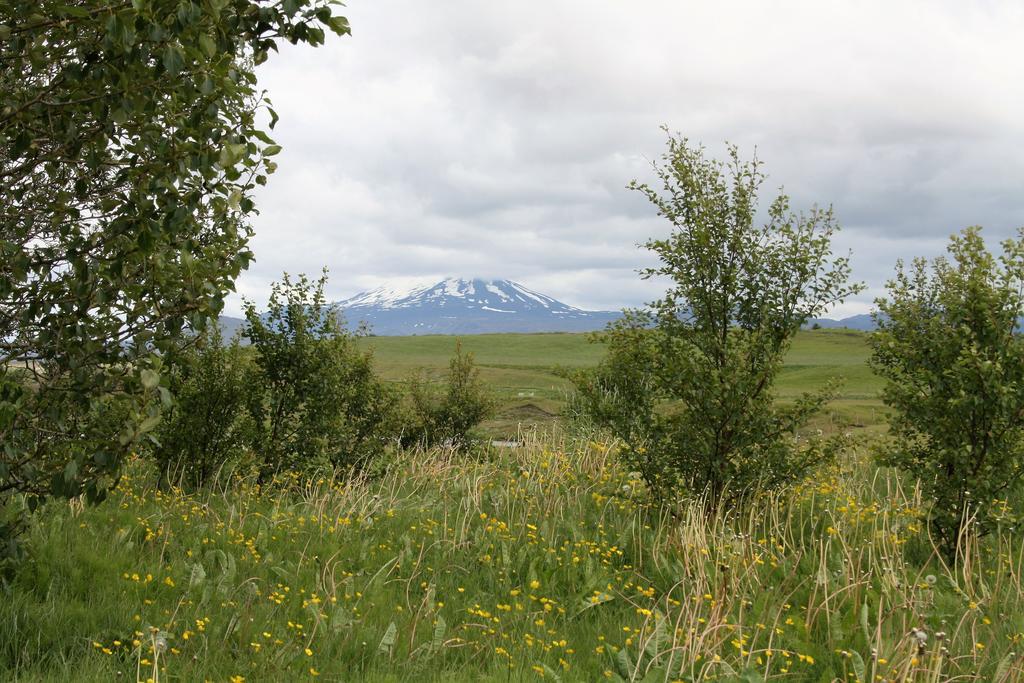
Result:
[
  {"x": 230, "y": 326},
  {"x": 855, "y": 322}
]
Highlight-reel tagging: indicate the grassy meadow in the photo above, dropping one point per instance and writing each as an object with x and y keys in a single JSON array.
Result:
[
  {"x": 523, "y": 371},
  {"x": 541, "y": 563}
]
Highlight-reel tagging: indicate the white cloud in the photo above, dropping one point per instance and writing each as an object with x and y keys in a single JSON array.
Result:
[{"x": 495, "y": 139}]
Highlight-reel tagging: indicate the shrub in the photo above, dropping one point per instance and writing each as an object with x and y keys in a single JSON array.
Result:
[
  {"x": 448, "y": 416},
  {"x": 38, "y": 460},
  {"x": 620, "y": 393},
  {"x": 315, "y": 400},
  {"x": 204, "y": 429},
  {"x": 687, "y": 381},
  {"x": 949, "y": 345}
]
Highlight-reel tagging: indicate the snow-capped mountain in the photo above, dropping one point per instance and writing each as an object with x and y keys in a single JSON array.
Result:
[
  {"x": 463, "y": 306},
  {"x": 477, "y": 306}
]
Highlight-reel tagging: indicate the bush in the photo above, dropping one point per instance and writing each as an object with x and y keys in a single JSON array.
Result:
[
  {"x": 315, "y": 400},
  {"x": 448, "y": 417},
  {"x": 58, "y": 439},
  {"x": 205, "y": 428},
  {"x": 620, "y": 393},
  {"x": 687, "y": 381},
  {"x": 949, "y": 344}
]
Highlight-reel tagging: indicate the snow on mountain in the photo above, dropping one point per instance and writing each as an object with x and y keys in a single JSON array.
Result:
[
  {"x": 477, "y": 306},
  {"x": 383, "y": 297},
  {"x": 467, "y": 306}
]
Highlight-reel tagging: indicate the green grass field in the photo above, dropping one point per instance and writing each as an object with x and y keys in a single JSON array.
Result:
[
  {"x": 521, "y": 370},
  {"x": 542, "y": 563}
]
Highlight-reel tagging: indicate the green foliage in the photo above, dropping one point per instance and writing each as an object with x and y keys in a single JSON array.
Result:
[
  {"x": 205, "y": 428},
  {"x": 39, "y": 408},
  {"x": 129, "y": 151},
  {"x": 620, "y": 393},
  {"x": 688, "y": 381},
  {"x": 447, "y": 417},
  {"x": 314, "y": 398},
  {"x": 948, "y": 344}
]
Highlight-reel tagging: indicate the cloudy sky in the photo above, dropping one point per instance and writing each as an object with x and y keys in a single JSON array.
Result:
[{"x": 468, "y": 138}]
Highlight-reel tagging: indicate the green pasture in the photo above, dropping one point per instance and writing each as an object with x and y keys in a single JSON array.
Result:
[{"x": 523, "y": 372}]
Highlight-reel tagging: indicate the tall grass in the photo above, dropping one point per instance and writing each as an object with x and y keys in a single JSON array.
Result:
[{"x": 546, "y": 562}]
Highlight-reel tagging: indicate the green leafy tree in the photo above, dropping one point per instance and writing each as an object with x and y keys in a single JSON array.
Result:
[
  {"x": 448, "y": 416},
  {"x": 315, "y": 399},
  {"x": 204, "y": 430},
  {"x": 949, "y": 345},
  {"x": 129, "y": 151},
  {"x": 620, "y": 394},
  {"x": 688, "y": 381}
]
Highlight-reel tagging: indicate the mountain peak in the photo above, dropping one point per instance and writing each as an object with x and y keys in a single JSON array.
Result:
[
  {"x": 458, "y": 305},
  {"x": 484, "y": 292}
]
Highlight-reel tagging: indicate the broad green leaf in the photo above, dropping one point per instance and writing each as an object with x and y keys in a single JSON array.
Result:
[
  {"x": 387, "y": 642},
  {"x": 623, "y": 665},
  {"x": 339, "y": 25},
  {"x": 174, "y": 60},
  {"x": 207, "y": 45},
  {"x": 71, "y": 11},
  {"x": 864, "y": 616},
  {"x": 197, "y": 575},
  {"x": 150, "y": 378},
  {"x": 858, "y": 665},
  {"x": 148, "y": 424},
  {"x": 1003, "y": 669},
  {"x": 440, "y": 628}
]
